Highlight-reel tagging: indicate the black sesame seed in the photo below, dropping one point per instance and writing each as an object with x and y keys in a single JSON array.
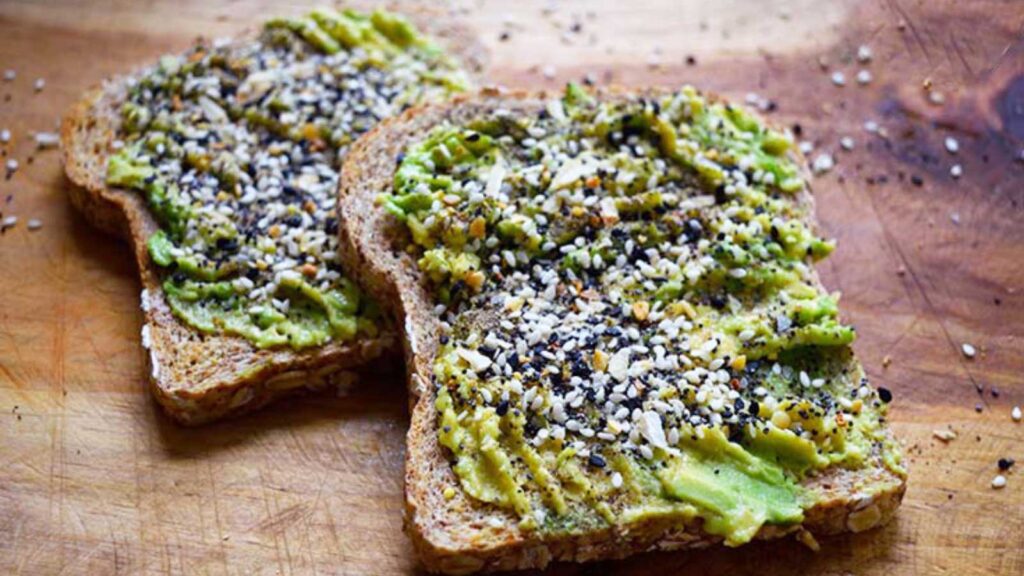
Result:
[
  {"x": 884, "y": 394},
  {"x": 502, "y": 408},
  {"x": 597, "y": 461},
  {"x": 1006, "y": 463}
]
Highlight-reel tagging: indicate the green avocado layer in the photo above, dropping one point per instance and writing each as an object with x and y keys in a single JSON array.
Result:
[
  {"x": 632, "y": 327},
  {"x": 237, "y": 150}
]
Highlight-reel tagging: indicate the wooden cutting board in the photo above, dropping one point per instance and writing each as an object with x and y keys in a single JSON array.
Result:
[{"x": 94, "y": 480}]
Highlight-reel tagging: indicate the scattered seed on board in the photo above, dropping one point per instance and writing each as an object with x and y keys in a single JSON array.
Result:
[
  {"x": 999, "y": 481},
  {"x": 10, "y": 75},
  {"x": 952, "y": 146},
  {"x": 1016, "y": 414},
  {"x": 864, "y": 54},
  {"x": 8, "y": 222},
  {"x": 956, "y": 171},
  {"x": 968, "y": 350},
  {"x": 47, "y": 140},
  {"x": 944, "y": 435},
  {"x": 823, "y": 163},
  {"x": 39, "y": 85},
  {"x": 35, "y": 224},
  {"x": 839, "y": 79},
  {"x": 846, "y": 142},
  {"x": 12, "y": 165},
  {"x": 5, "y": 136},
  {"x": 863, "y": 77}
]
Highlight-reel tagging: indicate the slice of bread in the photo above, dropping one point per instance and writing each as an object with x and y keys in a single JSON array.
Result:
[
  {"x": 199, "y": 377},
  {"x": 451, "y": 531}
]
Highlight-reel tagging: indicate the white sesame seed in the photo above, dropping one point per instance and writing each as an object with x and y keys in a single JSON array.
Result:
[
  {"x": 548, "y": 72},
  {"x": 864, "y": 53},
  {"x": 846, "y": 142},
  {"x": 952, "y": 146},
  {"x": 617, "y": 480},
  {"x": 1015, "y": 414},
  {"x": 10, "y": 75},
  {"x": 838, "y": 78},
  {"x": 823, "y": 163},
  {"x": 999, "y": 481},
  {"x": 968, "y": 350},
  {"x": 35, "y": 224},
  {"x": 804, "y": 378},
  {"x": 5, "y": 136},
  {"x": 12, "y": 165},
  {"x": 956, "y": 171},
  {"x": 47, "y": 139},
  {"x": 39, "y": 84},
  {"x": 9, "y": 221},
  {"x": 871, "y": 126},
  {"x": 863, "y": 77}
]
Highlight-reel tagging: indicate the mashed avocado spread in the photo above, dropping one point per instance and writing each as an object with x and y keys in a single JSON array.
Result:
[
  {"x": 237, "y": 148},
  {"x": 632, "y": 330}
]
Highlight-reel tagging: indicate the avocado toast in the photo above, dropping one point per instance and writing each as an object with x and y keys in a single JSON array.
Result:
[
  {"x": 220, "y": 165},
  {"x": 615, "y": 337}
]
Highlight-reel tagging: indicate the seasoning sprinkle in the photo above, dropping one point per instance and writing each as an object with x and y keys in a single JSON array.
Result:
[
  {"x": 952, "y": 146},
  {"x": 823, "y": 163}
]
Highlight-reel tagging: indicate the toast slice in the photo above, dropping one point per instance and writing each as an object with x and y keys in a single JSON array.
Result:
[
  {"x": 455, "y": 531},
  {"x": 199, "y": 375}
]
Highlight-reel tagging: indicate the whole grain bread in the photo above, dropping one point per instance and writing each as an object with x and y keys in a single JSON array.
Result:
[
  {"x": 461, "y": 535},
  {"x": 197, "y": 377}
]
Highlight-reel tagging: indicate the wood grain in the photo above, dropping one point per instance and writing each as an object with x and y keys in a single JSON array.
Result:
[{"x": 94, "y": 480}]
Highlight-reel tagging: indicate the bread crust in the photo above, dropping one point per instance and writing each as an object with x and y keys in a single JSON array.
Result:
[
  {"x": 199, "y": 378},
  {"x": 460, "y": 535}
]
